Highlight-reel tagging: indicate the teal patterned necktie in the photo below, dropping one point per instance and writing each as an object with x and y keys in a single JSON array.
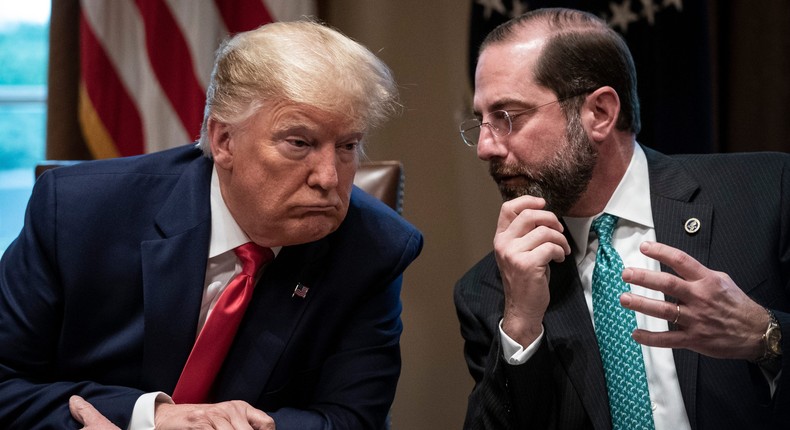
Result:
[{"x": 624, "y": 368}]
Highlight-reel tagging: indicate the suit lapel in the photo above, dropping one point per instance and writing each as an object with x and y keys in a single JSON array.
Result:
[
  {"x": 568, "y": 326},
  {"x": 271, "y": 319},
  {"x": 174, "y": 268},
  {"x": 570, "y": 333},
  {"x": 672, "y": 191}
]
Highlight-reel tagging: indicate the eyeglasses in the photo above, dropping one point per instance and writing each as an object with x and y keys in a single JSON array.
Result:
[{"x": 500, "y": 122}]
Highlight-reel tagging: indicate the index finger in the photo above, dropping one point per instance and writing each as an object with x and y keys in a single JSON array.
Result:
[
  {"x": 683, "y": 264},
  {"x": 512, "y": 208}
]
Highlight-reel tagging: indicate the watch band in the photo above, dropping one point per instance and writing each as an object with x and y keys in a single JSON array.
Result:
[{"x": 771, "y": 340}]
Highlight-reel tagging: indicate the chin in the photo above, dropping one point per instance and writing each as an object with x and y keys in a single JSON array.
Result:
[{"x": 312, "y": 231}]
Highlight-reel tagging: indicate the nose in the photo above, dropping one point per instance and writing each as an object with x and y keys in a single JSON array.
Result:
[
  {"x": 323, "y": 173},
  {"x": 489, "y": 146}
]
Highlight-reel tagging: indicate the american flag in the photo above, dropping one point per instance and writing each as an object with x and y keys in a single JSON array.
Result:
[
  {"x": 145, "y": 65},
  {"x": 300, "y": 291}
]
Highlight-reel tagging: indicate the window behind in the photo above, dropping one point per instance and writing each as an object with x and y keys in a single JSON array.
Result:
[{"x": 24, "y": 46}]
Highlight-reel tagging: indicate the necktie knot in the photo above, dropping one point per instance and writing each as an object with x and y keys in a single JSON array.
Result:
[
  {"x": 252, "y": 256},
  {"x": 603, "y": 226}
]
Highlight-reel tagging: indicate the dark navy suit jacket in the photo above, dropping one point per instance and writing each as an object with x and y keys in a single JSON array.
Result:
[
  {"x": 743, "y": 204},
  {"x": 100, "y": 295}
]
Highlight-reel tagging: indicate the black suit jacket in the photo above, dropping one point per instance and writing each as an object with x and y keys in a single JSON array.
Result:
[
  {"x": 100, "y": 296},
  {"x": 743, "y": 204}
]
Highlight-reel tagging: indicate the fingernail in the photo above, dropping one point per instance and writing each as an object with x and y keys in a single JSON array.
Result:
[{"x": 625, "y": 299}]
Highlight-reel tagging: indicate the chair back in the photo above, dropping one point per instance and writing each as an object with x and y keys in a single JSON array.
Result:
[{"x": 383, "y": 180}]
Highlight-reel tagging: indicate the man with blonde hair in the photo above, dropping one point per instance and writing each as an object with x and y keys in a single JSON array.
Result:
[{"x": 241, "y": 282}]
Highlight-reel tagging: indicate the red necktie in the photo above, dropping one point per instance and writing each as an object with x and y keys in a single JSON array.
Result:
[{"x": 214, "y": 340}]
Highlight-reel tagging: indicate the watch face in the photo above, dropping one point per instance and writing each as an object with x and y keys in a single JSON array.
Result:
[{"x": 773, "y": 338}]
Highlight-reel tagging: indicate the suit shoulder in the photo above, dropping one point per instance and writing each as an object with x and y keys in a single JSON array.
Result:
[
  {"x": 761, "y": 172},
  {"x": 481, "y": 278},
  {"x": 756, "y": 162},
  {"x": 372, "y": 226},
  {"x": 170, "y": 162},
  {"x": 368, "y": 211}
]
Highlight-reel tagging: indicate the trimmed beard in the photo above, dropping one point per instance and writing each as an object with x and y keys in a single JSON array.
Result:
[{"x": 562, "y": 180}]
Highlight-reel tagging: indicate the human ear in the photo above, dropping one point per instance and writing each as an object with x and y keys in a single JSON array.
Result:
[
  {"x": 221, "y": 148},
  {"x": 602, "y": 107}
]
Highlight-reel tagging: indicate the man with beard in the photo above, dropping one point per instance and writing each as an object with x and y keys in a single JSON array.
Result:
[{"x": 676, "y": 320}]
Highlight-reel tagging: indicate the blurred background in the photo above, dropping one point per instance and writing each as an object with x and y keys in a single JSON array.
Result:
[{"x": 712, "y": 78}]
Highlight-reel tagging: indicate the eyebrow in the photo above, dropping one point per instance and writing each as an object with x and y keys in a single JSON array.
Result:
[{"x": 507, "y": 104}]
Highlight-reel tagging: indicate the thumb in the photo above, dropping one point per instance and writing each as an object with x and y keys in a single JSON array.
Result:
[{"x": 86, "y": 414}]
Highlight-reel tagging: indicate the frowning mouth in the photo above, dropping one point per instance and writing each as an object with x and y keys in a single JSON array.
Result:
[{"x": 318, "y": 208}]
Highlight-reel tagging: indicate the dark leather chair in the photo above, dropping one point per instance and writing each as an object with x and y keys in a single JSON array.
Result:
[{"x": 381, "y": 179}]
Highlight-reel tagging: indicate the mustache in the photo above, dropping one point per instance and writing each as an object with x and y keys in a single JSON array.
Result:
[{"x": 499, "y": 170}]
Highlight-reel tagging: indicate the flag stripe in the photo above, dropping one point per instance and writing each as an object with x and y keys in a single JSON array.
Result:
[
  {"x": 243, "y": 15},
  {"x": 203, "y": 31},
  {"x": 98, "y": 139},
  {"x": 111, "y": 102},
  {"x": 146, "y": 65},
  {"x": 119, "y": 28},
  {"x": 172, "y": 63}
]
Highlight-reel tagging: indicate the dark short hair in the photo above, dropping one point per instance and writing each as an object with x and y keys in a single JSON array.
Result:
[{"x": 581, "y": 55}]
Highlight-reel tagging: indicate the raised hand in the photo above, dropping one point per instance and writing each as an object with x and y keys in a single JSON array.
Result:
[
  {"x": 527, "y": 239},
  {"x": 713, "y": 316}
]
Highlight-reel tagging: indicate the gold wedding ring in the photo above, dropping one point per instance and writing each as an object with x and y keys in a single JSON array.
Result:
[{"x": 677, "y": 316}]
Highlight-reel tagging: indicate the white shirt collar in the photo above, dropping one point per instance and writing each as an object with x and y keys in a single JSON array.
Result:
[
  {"x": 630, "y": 200},
  {"x": 225, "y": 231}
]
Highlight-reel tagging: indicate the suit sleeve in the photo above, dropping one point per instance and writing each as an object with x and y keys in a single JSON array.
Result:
[
  {"x": 504, "y": 396},
  {"x": 781, "y": 399},
  {"x": 34, "y": 388}
]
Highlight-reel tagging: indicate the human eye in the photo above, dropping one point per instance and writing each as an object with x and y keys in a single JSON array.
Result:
[
  {"x": 298, "y": 142},
  {"x": 351, "y": 146},
  {"x": 499, "y": 120}
]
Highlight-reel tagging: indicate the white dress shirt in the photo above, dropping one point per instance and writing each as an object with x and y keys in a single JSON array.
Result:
[
  {"x": 631, "y": 203},
  {"x": 222, "y": 266}
]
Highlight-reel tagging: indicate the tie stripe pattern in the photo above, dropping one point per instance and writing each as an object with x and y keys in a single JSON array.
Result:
[
  {"x": 624, "y": 367},
  {"x": 214, "y": 340}
]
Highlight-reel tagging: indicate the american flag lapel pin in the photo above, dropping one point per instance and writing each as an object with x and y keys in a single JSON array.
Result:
[{"x": 300, "y": 291}]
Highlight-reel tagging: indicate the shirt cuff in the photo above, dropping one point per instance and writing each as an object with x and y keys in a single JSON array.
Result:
[
  {"x": 144, "y": 407},
  {"x": 513, "y": 352}
]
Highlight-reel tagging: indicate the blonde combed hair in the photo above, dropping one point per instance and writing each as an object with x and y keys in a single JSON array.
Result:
[{"x": 303, "y": 62}]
